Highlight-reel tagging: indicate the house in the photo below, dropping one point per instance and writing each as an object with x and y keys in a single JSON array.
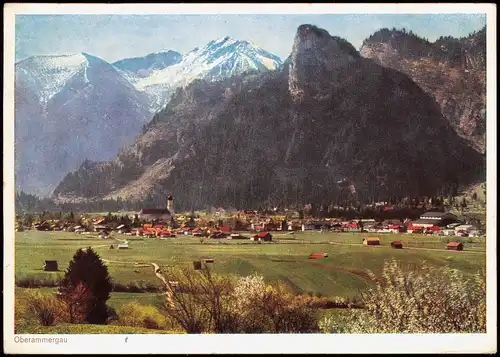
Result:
[
  {"x": 265, "y": 236},
  {"x": 397, "y": 244},
  {"x": 217, "y": 234},
  {"x": 465, "y": 228},
  {"x": 442, "y": 218},
  {"x": 149, "y": 233},
  {"x": 307, "y": 227},
  {"x": 98, "y": 220},
  {"x": 225, "y": 229},
  {"x": 448, "y": 232},
  {"x": 258, "y": 227},
  {"x": 455, "y": 246},
  {"x": 271, "y": 226},
  {"x": 123, "y": 246},
  {"x": 101, "y": 228},
  {"x": 432, "y": 229},
  {"x": 371, "y": 241},
  {"x": 43, "y": 226},
  {"x": 164, "y": 233},
  {"x": 50, "y": 265}
]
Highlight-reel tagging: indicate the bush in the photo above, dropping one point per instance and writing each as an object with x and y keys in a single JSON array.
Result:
[
  {"x": 136, "y": 315},
  {"x": 45, "y": 308},
  {"x": 203, "y": 301},
  {"x": 272, "y": 308},
  {"x": 37, "y": 281},
  {"x": 427, "y": 300}
]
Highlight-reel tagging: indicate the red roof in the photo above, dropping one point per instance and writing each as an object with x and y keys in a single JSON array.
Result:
[
  {"x": 397, "y": 242},
  {"x": 316, "y": 255},
  {"x": 434, "y": 228},
  {"x": 454, "y": 244},
  {"x": 225, "y": 228},
  {"x": 196, "y": 230},
  {"x": 262, "y": 234},
  {"x": 158, "y": 226},
  {"x": 147, "y": 225}
]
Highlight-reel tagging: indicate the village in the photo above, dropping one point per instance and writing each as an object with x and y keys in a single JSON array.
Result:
[{"x": 163, "y": 223}]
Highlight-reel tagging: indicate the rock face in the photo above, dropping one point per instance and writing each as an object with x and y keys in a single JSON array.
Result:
[
  {"x": 452, "y": 71},
  {"x": 67, "y": 109},
  {"x": 289, "y": 136}
]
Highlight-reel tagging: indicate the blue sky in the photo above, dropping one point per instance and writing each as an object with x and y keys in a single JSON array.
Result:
[{"x": 114, "y": 37}]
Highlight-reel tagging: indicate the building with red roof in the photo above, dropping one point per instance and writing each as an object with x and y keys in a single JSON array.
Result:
[{"x": 455, "y": 246}]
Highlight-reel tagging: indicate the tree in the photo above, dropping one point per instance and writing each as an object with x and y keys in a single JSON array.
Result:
[
  {"x": 78, "y": 303},
  {"x": 87, "y": 268},
  {"x": 423, "y": 300}
]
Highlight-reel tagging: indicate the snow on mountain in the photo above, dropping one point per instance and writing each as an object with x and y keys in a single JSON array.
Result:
[
  {"x": 67, "y": 109},
  {"x": 142, "y": 66},
  {"x": 46, "y": 75},
  {"x": 219, "y": 59}
]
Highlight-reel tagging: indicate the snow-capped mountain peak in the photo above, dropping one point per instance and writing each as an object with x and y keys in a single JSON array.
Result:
[
  {"x": 46, "y": 75},
  {"x": 218, "y": 59}
]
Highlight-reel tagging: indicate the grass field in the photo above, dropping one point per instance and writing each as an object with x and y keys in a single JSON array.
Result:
[{"x": 285, "y": 259}]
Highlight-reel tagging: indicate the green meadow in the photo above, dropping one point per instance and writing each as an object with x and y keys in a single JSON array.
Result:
[{"x": 342, "y": 273}]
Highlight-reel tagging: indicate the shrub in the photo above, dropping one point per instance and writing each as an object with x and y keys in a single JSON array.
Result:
[
  {"x": 272, "y": 308},
  {"x": 37, "y": 281},
  {"x": 45, "y": 308},
  {"x": 87, "y": 268},
  {"x": 203, "y": 301},
  {"x": 427, "y": 300},
  {"x": 136, "y": 315}
]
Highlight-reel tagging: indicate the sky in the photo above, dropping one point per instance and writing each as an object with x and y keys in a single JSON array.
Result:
[{"x": 114, "y": 37}]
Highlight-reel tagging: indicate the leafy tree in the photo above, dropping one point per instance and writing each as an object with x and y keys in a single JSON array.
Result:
[{"x": 87, "y": 268}]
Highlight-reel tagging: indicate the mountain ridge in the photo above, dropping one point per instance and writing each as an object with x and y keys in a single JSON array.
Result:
[{"x": 289, "y": 135}]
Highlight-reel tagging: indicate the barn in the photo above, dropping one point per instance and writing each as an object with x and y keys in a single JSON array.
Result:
[
  {"x": 371, "y": 241},
  {"x": 317, "y": 256},
  {"x": 455, "y": 246},
  {"x": 50, "y": 265},
  {"x": 397, "y": 244}
]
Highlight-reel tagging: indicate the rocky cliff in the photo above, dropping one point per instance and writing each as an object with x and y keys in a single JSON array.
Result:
[
  {"x": 452, "y": 71},
  {"x": 287, "y": 136}
]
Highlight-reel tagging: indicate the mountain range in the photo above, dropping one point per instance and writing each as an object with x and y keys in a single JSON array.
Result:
[
  {"x": 327, "y": 115},
  {"x": 77, "y": 107}
]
